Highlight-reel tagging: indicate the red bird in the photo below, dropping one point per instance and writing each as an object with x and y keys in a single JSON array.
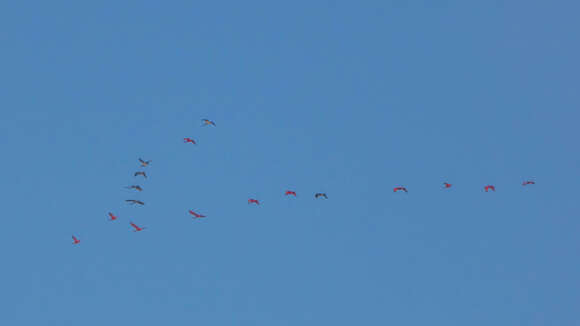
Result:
[
  {"x": 254, "y": 201},
  {"x": 400, "y": 188},
  {"x": 113, "y": 217},
  {"x": 488, "y": 187},
  {"x": 189, "y": 140},
  {"x": 195, "y": 214},
  {"x": 290, "y": 192},
  {"x": 75, "y": 240},
  {"x": 528, "y": 182},
  {"x": 446, "y": 185},
  {"x": 137, "y": 229}
]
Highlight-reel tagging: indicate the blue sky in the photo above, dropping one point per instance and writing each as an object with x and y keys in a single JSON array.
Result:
[{"x": 336, "y": 97}]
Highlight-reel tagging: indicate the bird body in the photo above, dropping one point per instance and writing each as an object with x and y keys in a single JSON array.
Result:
[
  {"x": 136, "y": 187},
  {"x": 112, "y": 217},
  {"x": 253, "y": 201},
  {"x": 141, "y": 173},
  {"x": 320, "y": 194},
  {"x": 528, "y": 182},
  {"x": 207, "y": 122},
  {"x": 144, "y": 163},
  {"x": 75, "y": 240},
  {"x": 137, "y": 229},
  {"x": 446, "y": 185},
  {"x": 290, "y": 192},
  {"x": 400, "y": 188},
  {"x": 189, "y": 140}
]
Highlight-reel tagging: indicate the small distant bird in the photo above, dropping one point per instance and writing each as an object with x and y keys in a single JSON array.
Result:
[
  {"x": 320, "y": 194},
  {"x": 528, "y": 182},
  {"x": 75, "y": 240},
  {"x": 141, "y": 173},
  {"x": 113, "y": 217},
  {"x": 133, "y": 201},
  {"x": 144, "y": 163},
  {"x": 136, "y": 187},
  {"x": 446, "y": 185},
  {"x": 195, "y": 214},
  {"x": 253, "y": 201},
  {"x": 207, "y": 122},
  {"x": 137, "y": 229},
  {"x": 290, "y": 192},
  {"x": 189, "y": 140},
  {"x": 400, "y": 188},
  {"x": 488, "y": 187}
]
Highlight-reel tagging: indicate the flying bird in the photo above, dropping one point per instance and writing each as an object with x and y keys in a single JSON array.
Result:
[
  {"x": 195, "y": 214},
  {"x": 144, "y": 163},
  {"x": 528, "y": 182},
  {"x": 290, "y": 192},
  {"x": 446, "y": 185},
  {"x": 141, "y": 173},
  {"x": 133, "y": 201},
  {"x": 136, "y": 187},
  {"x": 253, "y": 201},
  {"x": 400, "y": 188},
  {"x": 320, "y": 194},
  {"x": 488, "y": 187},
  {"x": 189, "y": 140},
  {"x": 207, "y": 122},
  {"x": 75, "y": 240},
  {"x": 137, "y": 229},
  {"x": 113, "y": 217}
]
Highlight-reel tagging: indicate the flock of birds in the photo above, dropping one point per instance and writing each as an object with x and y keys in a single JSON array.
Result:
[{"x": 206, "y": 122}]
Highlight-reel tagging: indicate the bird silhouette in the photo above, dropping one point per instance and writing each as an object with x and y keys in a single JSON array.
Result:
[
  {"x": 133, "y": 201},
  {"x": 320, "y": 194},
  {"x": 75, "y": 240},
  {"x": 400, "y": 188},
  {"x": 489, "y": 187},
  {"x": 195, "y": 214},
  {"x": 137, "y": 229},
  {"x": 253, "y": 201},
  {"x": 144, "y": 163},
  {"x": 136, "y": 187},
  {"x": 290, "y": 192},
  {"x": 141, "y": 173},
  {"x": 207, "y": 122}
]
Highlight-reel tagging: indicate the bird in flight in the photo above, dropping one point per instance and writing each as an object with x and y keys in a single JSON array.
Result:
[
  {"x": 290, "y": 192},
  {"x": 141, "y": 173},
  {"x": 195, "y": 214},
  {"x": 113, "y": 217},
  {"x": 400, "y": 188},
  {"x": 189, "y": 140},
  {"x": 253, "y": 201},
  {"x": 446, "y": 185},
  {"x": 136, "y": 187},
  {"x": 75, "y": 240},
  {"x": 320, "y": 194},
  {"x": 489, "y": 187},
  {"x": 528, "y": 182},
  {"x": 137, "y": 229},
  {"x": 144, "y": 163},
  {"x": 208, "y": 122},
  {"x": 133, "y": 201}
]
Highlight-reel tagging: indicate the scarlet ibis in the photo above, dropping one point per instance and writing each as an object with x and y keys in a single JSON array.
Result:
[
  {"x": 189, "y": 140},
  {"x": 446, "y": 185},
  {"x": 195, "y": 214},
  {"x": 75, "y": 240},
  {"x": 290, "y": 192},
  {"x": 400, "y": 188},
  {"x": 253, "y": 201},
  {"x": 528, "y": 182},
  {"x": 137, "y": 229},
  {"x": 113, "y": 217},
  {"x": 489, "y": 187}
]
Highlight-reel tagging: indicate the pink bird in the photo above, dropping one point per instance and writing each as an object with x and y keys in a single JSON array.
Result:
[
  {"x": 488, "y": 187},
  {"x": 446, "y": 185},
  {"x": 189, "y": 140},
  {"x": 400, "y": 188},
  {"x": 195, "y": 214},
  {"x": 254, "y": 201},
  {"x": 75, "y": 240},
  {"x": 137, "y": 229},
  {"x": 290, "y": 192},
  {"x": 528, "y": 182},
  {"x": 113, "y": 217}
]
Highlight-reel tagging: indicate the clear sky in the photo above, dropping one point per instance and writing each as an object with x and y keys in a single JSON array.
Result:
[{"x": 348, "y": 98}]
